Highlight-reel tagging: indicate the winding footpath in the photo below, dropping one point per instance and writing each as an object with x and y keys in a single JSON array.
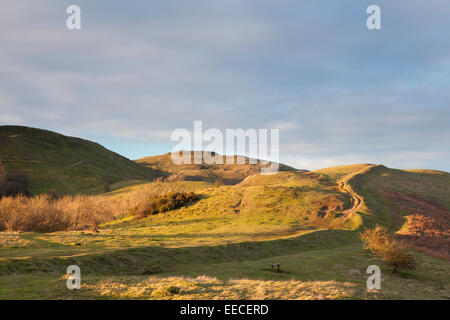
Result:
[{"x": 356, "y": 201}]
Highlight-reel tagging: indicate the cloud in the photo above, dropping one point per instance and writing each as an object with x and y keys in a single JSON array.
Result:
[{"x": 338, "y": 92}]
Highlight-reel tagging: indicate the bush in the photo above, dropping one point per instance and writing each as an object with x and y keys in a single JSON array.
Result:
[
  {"x": 378, "y": 241},
  {"x": 375, "y": 239},
  {"x": 107, "y": 186},
  {"x": 166, "y": 202},
  {"x": 13, "y": 184},
  {"x": 397, "y": 256}
]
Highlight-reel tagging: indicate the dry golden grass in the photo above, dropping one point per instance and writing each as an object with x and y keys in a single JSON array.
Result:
[
  {"x": 42, "y": 214},
  {"x": 204, "y": 287}
]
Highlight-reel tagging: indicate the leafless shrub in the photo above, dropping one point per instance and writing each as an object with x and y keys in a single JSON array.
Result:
[
  {"x": 379, "y": 242},
  {"x": 11, "y": 213},
  {"x": 46, "y": 214},
  {"x": 52, "y": 212}
]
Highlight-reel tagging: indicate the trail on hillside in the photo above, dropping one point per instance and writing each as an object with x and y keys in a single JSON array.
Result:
[
  {"x": 77, "y": 163},
  {"x": 356, "y": 201}
]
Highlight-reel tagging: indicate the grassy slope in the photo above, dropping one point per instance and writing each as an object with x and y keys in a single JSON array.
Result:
[
  {"x": 231, "y": 173},
  {"x": 427, "y": 184},
  {"x": 66, "y": 164},
  {"x": 266, "y": 210},
  {"x": 229, "y": 239}
]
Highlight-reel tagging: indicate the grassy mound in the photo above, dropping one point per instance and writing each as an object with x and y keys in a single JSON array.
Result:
[
  {"x": 66, "y": 164},
  {"x": 229, "y": 173}
]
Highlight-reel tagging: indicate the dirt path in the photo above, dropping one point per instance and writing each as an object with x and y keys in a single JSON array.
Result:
[
  {"x": 77, "y": 163},
  {"x": 356, "y": 201}
]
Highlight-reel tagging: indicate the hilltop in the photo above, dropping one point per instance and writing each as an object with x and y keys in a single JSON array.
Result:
[
  {"x": 65, "y": 164},
  {"x": 230, "y": 172}
]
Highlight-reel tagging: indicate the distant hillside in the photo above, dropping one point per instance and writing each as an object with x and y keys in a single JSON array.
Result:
[
  {"x": 66, "y": 164},
  {"x": 229, "y": 173}
]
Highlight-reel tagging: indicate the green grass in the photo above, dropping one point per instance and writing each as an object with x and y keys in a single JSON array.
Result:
[
  {"x": 306, "y": 274},
  {"x": 336, "y": 173},
  {"x": 228, "y": 214},
  {"x": 66, "y": 164},
  {"x": 223, "y": 245},
  {"x": 428, "y": 184}
]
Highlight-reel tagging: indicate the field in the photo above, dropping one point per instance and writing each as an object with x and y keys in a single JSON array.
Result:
[{"x": 223, "y": 245}]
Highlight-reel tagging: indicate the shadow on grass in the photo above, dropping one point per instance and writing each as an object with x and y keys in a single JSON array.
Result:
[{"x": 135, "y": 260}]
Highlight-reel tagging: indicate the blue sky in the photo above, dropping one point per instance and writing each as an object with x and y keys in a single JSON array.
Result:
[{"x": 138, "y": 70}]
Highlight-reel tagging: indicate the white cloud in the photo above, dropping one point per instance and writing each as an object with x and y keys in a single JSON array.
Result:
[{"x": 337, "y": 93}]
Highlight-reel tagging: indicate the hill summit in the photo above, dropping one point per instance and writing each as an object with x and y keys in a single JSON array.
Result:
[{"x": 233, "y": 169}]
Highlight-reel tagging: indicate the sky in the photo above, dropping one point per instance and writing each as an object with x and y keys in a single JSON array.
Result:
[{"x": 137, "y": 70}]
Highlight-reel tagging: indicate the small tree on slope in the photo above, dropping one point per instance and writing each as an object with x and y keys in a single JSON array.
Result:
[{"x": 378, "y": 241}]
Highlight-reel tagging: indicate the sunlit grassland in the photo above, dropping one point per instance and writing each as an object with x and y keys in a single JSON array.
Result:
[
  {"x": 222, "y": 246},
  {"x": 224, "y": 215},
  {"x": 309, "y": 274},
  {"x": 338, "y": 172}
]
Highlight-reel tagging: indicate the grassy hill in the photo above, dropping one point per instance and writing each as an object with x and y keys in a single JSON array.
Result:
[
  {"x": 229, "y": 173},
  {"x": 72, "y": 165},
  {"x": 415, "y": 204},
  {"x": 66, "y": 164},
  {"x": 222, "y": 246}
]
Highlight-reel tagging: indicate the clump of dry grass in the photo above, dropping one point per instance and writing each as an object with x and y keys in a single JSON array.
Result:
[{"x": 204, "y": 287}]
